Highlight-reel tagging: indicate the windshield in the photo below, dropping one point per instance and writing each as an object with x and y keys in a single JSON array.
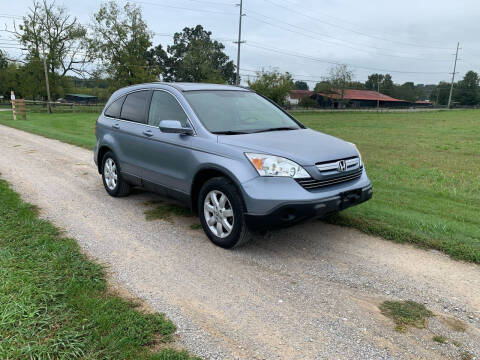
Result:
[{"x": 238, "y": 112}]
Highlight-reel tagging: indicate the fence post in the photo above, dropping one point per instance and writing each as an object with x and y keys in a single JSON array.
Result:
[
  {"x": 19, "y": 107},
  {"x": 12, "y": 100}
]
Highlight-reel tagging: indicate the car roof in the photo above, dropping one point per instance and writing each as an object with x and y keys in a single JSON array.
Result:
[{"x": 186, "y": 86}]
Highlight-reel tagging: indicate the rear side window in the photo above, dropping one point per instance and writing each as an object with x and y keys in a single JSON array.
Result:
[
  {"x": 114, "y": 109},
  {"x": 165, "y": 107},
  {"x": 134, "y": 107}
]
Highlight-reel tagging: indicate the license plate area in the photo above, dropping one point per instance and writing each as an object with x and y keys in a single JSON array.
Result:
[{"x": 351, "y": 197}]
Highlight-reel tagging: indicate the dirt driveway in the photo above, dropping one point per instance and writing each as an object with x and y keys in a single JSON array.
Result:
[{"x": 307, "y": 292}]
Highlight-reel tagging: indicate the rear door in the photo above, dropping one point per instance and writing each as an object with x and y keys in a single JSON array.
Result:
[{"x": 130, "y": 132}]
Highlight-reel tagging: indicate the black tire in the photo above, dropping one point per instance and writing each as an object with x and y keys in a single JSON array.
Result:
[
  {"x": 122, "y": 188},
  {"x": 240, "y": 233}
]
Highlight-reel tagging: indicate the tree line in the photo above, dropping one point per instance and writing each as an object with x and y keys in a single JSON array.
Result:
[{"x": 116, "y": 49}]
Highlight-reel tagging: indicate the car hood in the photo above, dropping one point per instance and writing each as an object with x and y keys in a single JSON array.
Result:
[{"x": 304, "y": 146}]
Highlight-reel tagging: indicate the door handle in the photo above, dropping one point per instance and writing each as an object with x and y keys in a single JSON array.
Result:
[
  {"x": 116, "y": 126},
  {"x": 148, "y": 133}
]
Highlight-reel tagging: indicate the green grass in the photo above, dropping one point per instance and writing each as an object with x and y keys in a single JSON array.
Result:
[
  {"x": 425, "y": 176},
  {"x": 406, "y": 313},
  {"x": 73, "y": 128},
  {"x": 166, "y": 211},
  {"x": 54, "y": 302},
  {"x": 440, "y": 339},
  {"x": 423, "y": 165}
]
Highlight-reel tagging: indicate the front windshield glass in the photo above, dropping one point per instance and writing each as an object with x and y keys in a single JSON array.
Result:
[{"x": 237, "y": 112}]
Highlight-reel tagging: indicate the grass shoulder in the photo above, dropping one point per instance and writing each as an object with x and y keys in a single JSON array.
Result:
[{"x": 55, "y": 302}]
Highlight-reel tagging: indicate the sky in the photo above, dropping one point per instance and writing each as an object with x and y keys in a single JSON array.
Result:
[{"x": 411, "y": 40}]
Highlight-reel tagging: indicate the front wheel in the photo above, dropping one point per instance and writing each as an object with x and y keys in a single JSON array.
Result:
[{"x": 222, "y": 213}]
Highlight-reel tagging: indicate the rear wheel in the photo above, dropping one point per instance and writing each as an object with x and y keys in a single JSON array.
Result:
[
  {"x": 112, "y": 178},
  {"x": 222, "y": 213}
]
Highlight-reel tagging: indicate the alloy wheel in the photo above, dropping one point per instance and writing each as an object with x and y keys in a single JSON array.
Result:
[
  {"x": 218, "y": 213},
  {"x": 110, "y": 173}
]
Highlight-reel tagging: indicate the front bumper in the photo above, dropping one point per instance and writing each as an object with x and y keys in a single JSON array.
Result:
[
  {"x": 289, "y": 214},
  {"x": 273, "y": 202}
]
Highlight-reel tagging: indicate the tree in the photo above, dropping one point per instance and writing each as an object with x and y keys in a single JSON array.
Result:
[
  {"x": 406, "y": 91},
  {"x": 300, "y": 85},
  {"x": 120, "y": 39},
  {"x": 387, "y": 86},
  {"x": 467, "y": 90},
  {"x": 385, "y": 82},
  {"x": 325, "y": 87},
  {"x": 3, "y": 60},
  {"x": 48, "y": 30},
  {"x": 440, "y": 94},
  {"x": 356, "y": 85},
  {"x": 195, "y": 57},
  {"x": 274, "y": 85},
  {"x": 3, "y": 74},
  {"x": 340, "y": 76},
  {"x": 156, "y": 59},
  {"x": 373, "y": 81},
  {"x": 307, "y": 102}
]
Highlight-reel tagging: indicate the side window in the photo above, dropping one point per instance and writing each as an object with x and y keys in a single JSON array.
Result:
[
  {"x": 134, "y": 107},
  {"x": 114, "y": 109},
  {"x": 165, "y": 107}
]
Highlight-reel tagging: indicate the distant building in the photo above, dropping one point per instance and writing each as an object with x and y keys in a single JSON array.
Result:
[
  {"x": 295, "y": 95},
  {"x": 423, "y": 103},
  {"x": 359, "y": 98},
  {"x": 352, "y": 98},
  {"x": 81, "y": 98}
]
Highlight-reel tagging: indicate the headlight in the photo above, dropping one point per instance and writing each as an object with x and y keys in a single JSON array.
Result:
[
  {"x": 359, "y": 155},
  {"x": 270, "y": 165}
]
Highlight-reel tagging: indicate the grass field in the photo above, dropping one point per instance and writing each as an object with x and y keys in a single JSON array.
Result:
[
  {"x": 425, "y": 176},
  {"x": 424, "y": 167},
  {"x": 54, "y": 303}
]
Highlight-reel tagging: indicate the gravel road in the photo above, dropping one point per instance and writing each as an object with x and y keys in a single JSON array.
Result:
[{"x": 307, "y": 292}]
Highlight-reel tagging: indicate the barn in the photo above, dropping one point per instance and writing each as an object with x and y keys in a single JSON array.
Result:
[
  {"x": 352, "y": 98},
  {"x": 357, "y": 99},
  {"x": 81, "y": 98}
]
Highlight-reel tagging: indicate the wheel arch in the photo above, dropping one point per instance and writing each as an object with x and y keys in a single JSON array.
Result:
[
  {"x": 205, "y": 174},
  {"x": 101, "y": 153}
]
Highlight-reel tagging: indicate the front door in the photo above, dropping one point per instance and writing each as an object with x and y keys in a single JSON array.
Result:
[{"x": 167, "y": 157}]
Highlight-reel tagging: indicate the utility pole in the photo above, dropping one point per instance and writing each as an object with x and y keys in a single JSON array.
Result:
[
  {"x": 239, "y": 42},
  {"x": 49, "y": 106},
  {"x": 378, "y": 90},
  {"x": 453, "y": 77}
]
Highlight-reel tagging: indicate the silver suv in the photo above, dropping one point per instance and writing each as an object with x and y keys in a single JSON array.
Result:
[{"x": 233, "y": 156}]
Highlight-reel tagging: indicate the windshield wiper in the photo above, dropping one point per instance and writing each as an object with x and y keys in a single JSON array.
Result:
[
  {"x": 275, "y": 129},
  {"x": 229, "y": 132}
]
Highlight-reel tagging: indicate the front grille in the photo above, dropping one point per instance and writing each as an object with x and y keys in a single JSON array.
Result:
[
  {"x": 310, "y": 184},
  {"x": 331, "y": 167},
  {"x": 330, "y": 171}
]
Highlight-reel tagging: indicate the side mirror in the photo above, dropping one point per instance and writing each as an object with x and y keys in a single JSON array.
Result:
[{"x": 174, "y": 127}]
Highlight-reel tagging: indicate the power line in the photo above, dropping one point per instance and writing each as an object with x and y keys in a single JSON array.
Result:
[
  {"x": 9, "y": 16},
  {"x": 210, "y": 2},
  {"x": 354, "y": 31},
  {"x": 304, "y": 56},
  {"x": 183, "y": 8},
  {"x": 334, "y": 43}
]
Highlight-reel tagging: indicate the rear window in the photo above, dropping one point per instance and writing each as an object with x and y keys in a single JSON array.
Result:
[
  {"x": 134, "y": 107},
  {"x": 114, "y": 109}
]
